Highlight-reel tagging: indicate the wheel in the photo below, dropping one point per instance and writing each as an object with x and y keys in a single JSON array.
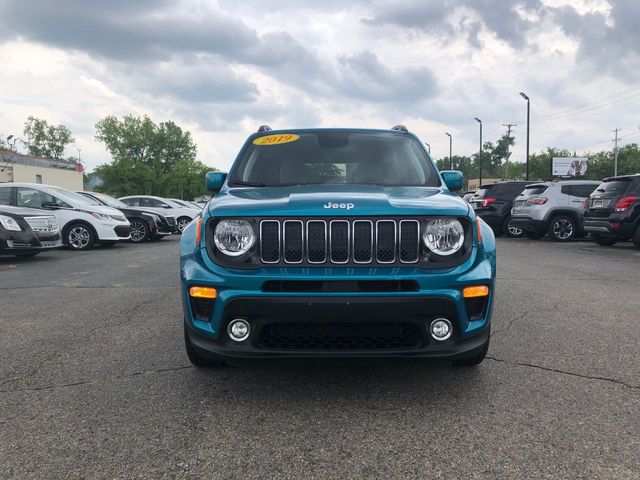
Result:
[
  {"x": 604, "y": 241},
  {"x": 475, "y": 360},
  {"x": 182, "y": 223},
  {"x": 27, "y": 254},
  {"x": 139, "y": 231},
  {"x": 636, "y": 237},
  {"x": 79, "y": 236},
  {"x": 194, "y": 357},
  {"x": 533, "y": 235},
  {"x": 511, "y": 230},
  {"x": 562, "y": 228}
]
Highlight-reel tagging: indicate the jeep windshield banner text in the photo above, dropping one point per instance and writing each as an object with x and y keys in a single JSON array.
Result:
[{"x": 336, "y": 243}]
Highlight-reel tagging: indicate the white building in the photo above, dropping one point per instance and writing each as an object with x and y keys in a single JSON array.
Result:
[{"x": 16, "y": 167}]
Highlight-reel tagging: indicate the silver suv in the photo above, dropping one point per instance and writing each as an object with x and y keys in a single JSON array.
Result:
[{"x": 553, "y": 208}]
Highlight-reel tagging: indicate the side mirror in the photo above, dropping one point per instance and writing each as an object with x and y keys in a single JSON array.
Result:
[
  {"x": 215, "y": 180},
  {"x": 164, "y": 205},
  {"x": 452, "y": 179}
]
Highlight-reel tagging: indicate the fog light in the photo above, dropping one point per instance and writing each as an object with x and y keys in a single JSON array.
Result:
[
  {"x": 441, "y": 329},
  {"x": 238, "y": 330}
]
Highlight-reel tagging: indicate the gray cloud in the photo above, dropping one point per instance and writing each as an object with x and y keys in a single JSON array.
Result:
[
  {"x": 501, "y": 18},
  {"x": 606, "y": 43}
]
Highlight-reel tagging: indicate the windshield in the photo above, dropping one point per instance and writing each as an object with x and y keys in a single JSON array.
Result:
[
  {"x": 182, "y": 203},
  {"x": 73, "y": 196},
  {"x": 334, "y": 157},
  {"x": 112, "y": 202}
]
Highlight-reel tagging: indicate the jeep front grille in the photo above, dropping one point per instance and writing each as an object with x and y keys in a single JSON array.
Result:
[{"x": 338, "y": 241}]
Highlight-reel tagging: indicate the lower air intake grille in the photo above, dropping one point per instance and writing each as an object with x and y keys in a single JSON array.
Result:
[{"x": 339, "y": 336}]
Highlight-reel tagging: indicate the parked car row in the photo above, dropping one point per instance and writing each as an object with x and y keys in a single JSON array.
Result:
[
  {"x": 37, "y": 217},
  {"x": 564, "y": 210}
]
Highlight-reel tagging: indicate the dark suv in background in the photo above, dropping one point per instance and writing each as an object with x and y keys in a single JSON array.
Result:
[
  {"x": 613, "y": 211},
  {"x": 493, "y": 204}
]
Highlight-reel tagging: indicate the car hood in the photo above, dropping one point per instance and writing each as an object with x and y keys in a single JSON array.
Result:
[{"x": 336, "y": 200}]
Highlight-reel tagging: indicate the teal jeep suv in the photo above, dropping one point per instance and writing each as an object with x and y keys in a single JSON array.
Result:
[{"x": 336, "y": 243}]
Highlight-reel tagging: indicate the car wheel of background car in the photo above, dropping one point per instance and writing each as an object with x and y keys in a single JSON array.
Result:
[
  {"x": 139, "y": 231},
  {"x": 182, "y": 223},
  {"x": 562, "y": 228},
  {"x": 475, "y": 360},
  {"x": 79, "y": 236},
  {"x": 511, "y": 230},
  {"x": 533, "y": 235},
  {"x": 194, "y": 357},
  {"x": 604, "y": 241},
  {"x": 636, "y": 237}
]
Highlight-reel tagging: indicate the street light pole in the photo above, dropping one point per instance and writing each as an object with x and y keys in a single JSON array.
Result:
[
  {"x": 480, "y": 151},
  {"x": 526, "y": 168},
  {"x": 450, "y": 150},
  {"x": 13, "y": 153}
]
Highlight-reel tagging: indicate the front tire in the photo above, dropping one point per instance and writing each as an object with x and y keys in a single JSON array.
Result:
[
  {"x": 194, "y": 357},
  {"x": 604, "y": 241},
  {"x": 510, "y": 230},
  {"x": 139, "y": 231},
  {"x": 562, "y": 228},
  {"x": 79, "y": 236},
  {"x": 182, "y": 223}
]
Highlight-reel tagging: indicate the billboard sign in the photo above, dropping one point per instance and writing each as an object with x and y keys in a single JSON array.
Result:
[{"x": 569, "y": 166}]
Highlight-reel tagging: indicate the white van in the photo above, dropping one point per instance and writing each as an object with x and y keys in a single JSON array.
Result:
[{"x": 83, "y": 221}]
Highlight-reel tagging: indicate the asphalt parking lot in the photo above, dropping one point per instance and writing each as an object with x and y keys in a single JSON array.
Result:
[{"x": 95, "y": 383}]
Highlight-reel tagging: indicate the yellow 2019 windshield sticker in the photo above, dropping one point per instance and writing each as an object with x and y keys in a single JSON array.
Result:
[{"x": 276, "y": 139}]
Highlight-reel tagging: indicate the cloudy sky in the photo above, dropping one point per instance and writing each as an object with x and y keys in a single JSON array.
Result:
[{"x": 221, "y": 68}]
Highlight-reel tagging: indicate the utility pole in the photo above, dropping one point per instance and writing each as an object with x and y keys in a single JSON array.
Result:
[
  {"x": 615, "y": 153},
  {"x": 526, "y": 166},
  {"x": 506, "y": 165},
  {"x": 450, "y": 150}
]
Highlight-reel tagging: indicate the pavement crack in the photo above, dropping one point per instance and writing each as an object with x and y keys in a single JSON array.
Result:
[
  {"x": 564, "y": 372},
  {"x": 105, "y": 378}
]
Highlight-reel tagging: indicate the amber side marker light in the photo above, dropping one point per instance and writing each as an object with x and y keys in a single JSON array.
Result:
[
  {"x": 198, "y": 228},
  {"x": 203, "y": 292},
  {"x": 477, "y": 291},
  {"x": 478, "y": 230}
]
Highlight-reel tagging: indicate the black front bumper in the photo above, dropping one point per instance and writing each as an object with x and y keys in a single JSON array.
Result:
[
  {"x": 27, "y": 242},
  {"x": 340, "y": 327},
  {"x": 528, "y": 224}
]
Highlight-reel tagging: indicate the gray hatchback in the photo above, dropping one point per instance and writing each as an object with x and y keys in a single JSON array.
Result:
[{"x": 553, "y": 208}]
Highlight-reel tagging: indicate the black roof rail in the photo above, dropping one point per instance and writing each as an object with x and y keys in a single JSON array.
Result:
[
  {"x": 264, "y": 128},
  {"x": 400, "y": 128}
]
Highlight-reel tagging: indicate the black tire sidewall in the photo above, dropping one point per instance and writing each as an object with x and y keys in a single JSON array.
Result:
[
  {"x": 506, "y": 232},
  {"x": 147, "y": 231}
]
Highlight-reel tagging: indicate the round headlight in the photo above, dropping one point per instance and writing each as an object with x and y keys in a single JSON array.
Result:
[
  {"x": 444, "y": 236},
  {"x": 234, "y": 237}
]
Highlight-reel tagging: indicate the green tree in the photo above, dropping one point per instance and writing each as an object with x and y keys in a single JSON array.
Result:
[
  {"x": 149, "y": 158},
  {"x": 44, "y": 140}
]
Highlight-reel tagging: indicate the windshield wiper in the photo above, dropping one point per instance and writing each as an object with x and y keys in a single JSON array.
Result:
[{"x": 242, "y": 183}]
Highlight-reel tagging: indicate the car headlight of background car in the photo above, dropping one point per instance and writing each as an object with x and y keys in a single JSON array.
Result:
[
  {"x": 443, "y": 236},
  {"x": 9, "y": 224},
  {"x": 234, "y": 237}
]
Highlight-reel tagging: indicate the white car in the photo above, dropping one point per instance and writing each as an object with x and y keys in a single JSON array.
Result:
[
  {"x": 164, "y": 206},
  {"x": 83, "y": 221}
]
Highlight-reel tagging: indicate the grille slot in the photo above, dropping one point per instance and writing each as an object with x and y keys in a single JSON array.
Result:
[
  {"x": 270, "y": 245},
  {"x": 318, "y": 241},
  {"x": 339, "y": 241},
  {"x": 293, "y": 249},
  {"x": 362, "y": 241},
  {"x": 409, "y": 241},
  {"x": 340, "y": 336}
]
